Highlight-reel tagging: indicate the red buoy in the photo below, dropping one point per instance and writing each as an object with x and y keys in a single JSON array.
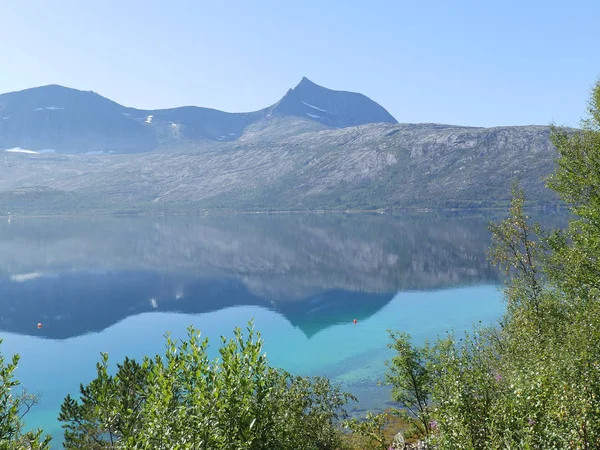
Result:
[
  {"x": 40, "y": 325},
  {"x": 354, "y": 320}
]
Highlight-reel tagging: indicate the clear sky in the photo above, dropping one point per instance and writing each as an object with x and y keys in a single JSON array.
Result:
[{"x": 482, "y": 62}]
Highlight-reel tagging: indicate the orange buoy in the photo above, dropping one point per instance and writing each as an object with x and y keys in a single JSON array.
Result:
[
  {"x": 354, "y": 320},
  {"x": 40, "y": 325}
]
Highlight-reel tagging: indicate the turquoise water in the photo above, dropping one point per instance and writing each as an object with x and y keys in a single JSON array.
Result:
[
  {"x": 117, "y": 285},
  {"x": 352, "y": 354}
]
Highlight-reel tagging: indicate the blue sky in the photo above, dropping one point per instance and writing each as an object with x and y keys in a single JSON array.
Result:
[{"x": 480, "y": 63}]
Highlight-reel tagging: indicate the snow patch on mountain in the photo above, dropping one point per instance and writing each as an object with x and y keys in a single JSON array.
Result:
[
  {"x": 315, "y": 107},
  {"x": 50, "y": 108},
  {"x": 22, "y": 150},
  {"x": 22, "y": 277},
  {"x": 99, "y": 152}
]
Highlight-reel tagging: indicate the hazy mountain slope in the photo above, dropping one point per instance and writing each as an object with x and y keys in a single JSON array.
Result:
[
  {"x": 379, "y": 166},
  {"x": 373, "y": 166},
  {"x": 67, "y": 120},
  {"x": 71, "y": 121},
  {"x": 191, "y": 123}
]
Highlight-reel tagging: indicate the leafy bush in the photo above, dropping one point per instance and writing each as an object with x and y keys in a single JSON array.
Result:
[
  {"x": 533, "y": 382},
  {"x": 13, "y": 407},
  {"x": 184, "y": 400}
]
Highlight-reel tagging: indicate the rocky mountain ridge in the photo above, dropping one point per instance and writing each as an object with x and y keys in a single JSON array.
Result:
[
  {"x": 63, "y": 120},
  {"x": 315, "y": 149}
]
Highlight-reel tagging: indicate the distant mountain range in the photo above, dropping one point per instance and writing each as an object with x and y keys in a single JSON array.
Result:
[
  {"x": 63, "y": 120},
  {"x": 70, "y": 151}
]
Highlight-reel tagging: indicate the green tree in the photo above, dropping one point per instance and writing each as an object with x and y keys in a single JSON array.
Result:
[
  {"x": 372, "y": 429},
  {"x": 410, "y": 378},
  {"x": 185, "y": 400},
  {"x": 13, "y": 408},
  {"x": 533, "y": 382},
  {"x": 109, "y": 409}
]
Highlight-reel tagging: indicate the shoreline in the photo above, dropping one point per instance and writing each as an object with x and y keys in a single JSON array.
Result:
[{"x": 212, "y": 212}]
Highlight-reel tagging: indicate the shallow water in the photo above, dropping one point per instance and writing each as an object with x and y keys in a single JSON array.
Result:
[{"x": 117, "y": 285}]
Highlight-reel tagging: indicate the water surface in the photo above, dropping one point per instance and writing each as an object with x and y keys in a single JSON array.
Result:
[{"x": 118, "y": 284}]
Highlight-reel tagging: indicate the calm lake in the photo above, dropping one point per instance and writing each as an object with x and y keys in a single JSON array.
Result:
[{"x": 117, "y": 285}]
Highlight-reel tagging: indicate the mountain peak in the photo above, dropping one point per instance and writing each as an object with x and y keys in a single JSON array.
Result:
[
  {"x": 337, "y": 109},
  {"x": 47, "y": 89},
  {"x": 52, "y": 93},
  {"x": 306, "y": 81},
  {"x": 63, "y": 119}
]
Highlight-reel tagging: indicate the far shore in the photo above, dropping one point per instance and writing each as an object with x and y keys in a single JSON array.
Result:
[{"x": 207, "y": 212}]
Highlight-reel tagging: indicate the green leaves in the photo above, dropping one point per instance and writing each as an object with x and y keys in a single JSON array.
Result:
[
  {"x": 184, "y": 400},
  {"x": 577, "y": 180},
  {"x": 13, "y": 408},
  {"x": 372, "y": 429},
  {"x": 109, "y": 408},
  {"x": 515, "y": 250},
  {"x": 534, "y": 382},
  {"x": 410, "y": 377}
]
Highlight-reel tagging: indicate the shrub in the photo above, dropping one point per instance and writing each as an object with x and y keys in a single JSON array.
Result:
[{"x": 184, "y": 400}]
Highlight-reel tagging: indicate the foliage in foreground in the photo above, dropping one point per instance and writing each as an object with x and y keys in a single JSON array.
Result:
[
  {"x": 533, "y": 382},
  {"x": 185, "y": 400},
  {"x": 13, "y": 407}
]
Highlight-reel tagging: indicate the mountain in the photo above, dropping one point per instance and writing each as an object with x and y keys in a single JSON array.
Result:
[
  {"x": 336, "y": 109},
  {"x": 63, "y": 120},
  {"x": 314, "y": 149},
  {"x": 56, "y": 118},
  {"x": 377, "y": 166}
]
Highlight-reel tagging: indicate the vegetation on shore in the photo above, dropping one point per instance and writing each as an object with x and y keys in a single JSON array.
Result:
[{"x": 532, "y": 382}]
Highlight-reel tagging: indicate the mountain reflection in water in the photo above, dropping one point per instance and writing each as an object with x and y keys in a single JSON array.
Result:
[{"x": 82, "y": 275}]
